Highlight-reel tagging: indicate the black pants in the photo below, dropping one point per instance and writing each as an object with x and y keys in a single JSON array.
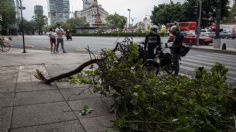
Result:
[{"x": 150, "y": 52}]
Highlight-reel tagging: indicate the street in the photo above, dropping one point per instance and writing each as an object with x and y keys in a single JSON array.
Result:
[
  {"x": 94, "y": 43},
  {"x": 193, "y": 60}
]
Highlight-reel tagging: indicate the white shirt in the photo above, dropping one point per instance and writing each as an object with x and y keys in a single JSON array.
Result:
[
  {"x": 52, "y": 34},
  {"x": 60, "y": 32}
]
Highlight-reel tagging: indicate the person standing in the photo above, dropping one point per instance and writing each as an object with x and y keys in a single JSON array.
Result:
[
  {"x": 176, "y": 47},
  {"x": 52, "y": 37},
  {"x": 60, "y": 32},
  {"x": 152, "y": 40}
]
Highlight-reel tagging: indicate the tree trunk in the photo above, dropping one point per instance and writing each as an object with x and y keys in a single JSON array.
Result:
[{"x": 75, "y": 71}]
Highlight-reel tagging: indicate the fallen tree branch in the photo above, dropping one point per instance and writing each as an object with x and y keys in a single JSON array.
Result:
[
  {"x": 41, "y": 77},
  {"x": 120, "y": 47}
]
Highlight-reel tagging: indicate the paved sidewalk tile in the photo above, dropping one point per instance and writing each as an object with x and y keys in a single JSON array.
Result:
[
  {"x": 98, "y": 124},
  {"x": 34, "y": 97},
  {"x": 27, "y": 82},
  {"x": 77, "y": 93},
  {"x": 109, "y": 101},
  {"x": 99, "y": 107},
  {"x": 69, "y": 126},
  {"x": 59, "y": 69},
  {"x": 5, "y": 118},
  {"x": 6, "y": 99},
  {"x": 8, "y": 77},
  {"x": 63, "y": 84},
  {"x": 41, "y": 114}
]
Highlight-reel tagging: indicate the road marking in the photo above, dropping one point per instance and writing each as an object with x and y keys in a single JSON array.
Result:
[
  {"x": 210, "y": 63},
  {"x": 211, "y": 60},
  {"x": 206, "y": 67}
]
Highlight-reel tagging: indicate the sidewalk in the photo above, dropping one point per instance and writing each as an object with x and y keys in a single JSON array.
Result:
[{"x": 28, "y": 105}]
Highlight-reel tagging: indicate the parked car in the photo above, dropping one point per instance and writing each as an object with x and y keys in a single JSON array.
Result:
[
  {"x": 227, "y": 34},
  {"x": 208, "y": 33},
  {"x": 191, "y": 38}
]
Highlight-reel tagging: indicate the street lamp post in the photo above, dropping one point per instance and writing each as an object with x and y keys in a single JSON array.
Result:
[
  {"x": 22, "y": 25},
  {"x": 199, "y": 21},
  {"x": 129, "y": 18},
  {"x": 217, "y": 39}
]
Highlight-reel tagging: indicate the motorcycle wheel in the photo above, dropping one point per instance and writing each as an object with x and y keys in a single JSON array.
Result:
[
  {"x": 151, "y": 65},
  {"x": 169, "y": 69}
]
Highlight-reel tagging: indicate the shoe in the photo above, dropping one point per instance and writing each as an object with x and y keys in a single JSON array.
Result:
[{"x": 64, "y": 52}]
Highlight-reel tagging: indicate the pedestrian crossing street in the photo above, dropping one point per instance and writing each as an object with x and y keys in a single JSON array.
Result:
[{"x": 207, "y": 59}]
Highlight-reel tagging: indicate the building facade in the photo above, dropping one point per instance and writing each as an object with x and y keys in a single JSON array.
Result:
[
  {"x": 59, "y": 10},
  {"x": 95, "y": 15},
  {"x": 38, "y": 10}
]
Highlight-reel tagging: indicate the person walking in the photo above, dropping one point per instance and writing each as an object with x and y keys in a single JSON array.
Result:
[
  {"x": 176, "y": 47},
  {"x": 60, "y": 32},
  {"x": 152, "y": 41},
  {"x": 52, "y": 37}
]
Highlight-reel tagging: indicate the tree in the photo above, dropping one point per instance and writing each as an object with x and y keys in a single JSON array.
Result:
[
  {"x": 208, "y": 10},
  {"x": 29, "y": 26},
  {"x": 73, "y": 23},
  {"x": 7, "y": 11},
  {"x": 140, "y": 27},
  {"x": 166, "y": 13},
  {"x": 39, "y": 23},
  {"x": 116, "y": 21},
  {"x": 231, "y": 17}
]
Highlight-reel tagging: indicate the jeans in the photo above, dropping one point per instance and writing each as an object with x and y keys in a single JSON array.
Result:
[
  {"x": 60, "y": 40},
  {"x": 176, "y": 63}
]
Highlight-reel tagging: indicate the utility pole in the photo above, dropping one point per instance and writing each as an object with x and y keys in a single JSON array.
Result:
[
  {"x": 22, "y": 25},
  {"x": 217, "y": 39},
  {"x": 199, "y": 21},
  {"x": 129, "y": 18}
]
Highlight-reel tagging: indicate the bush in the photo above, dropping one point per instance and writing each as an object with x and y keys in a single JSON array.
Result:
[
  {"x": 115, "y": 34},
  {"x": 146, "y": 102}
]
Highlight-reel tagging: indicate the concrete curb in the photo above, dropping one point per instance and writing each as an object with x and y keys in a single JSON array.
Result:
[{"x": 232, "y": 52}]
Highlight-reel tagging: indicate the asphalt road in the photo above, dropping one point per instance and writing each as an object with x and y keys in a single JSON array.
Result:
[
  {"x": 94, "y": 43},
  {"x": 76, "y": 45}
]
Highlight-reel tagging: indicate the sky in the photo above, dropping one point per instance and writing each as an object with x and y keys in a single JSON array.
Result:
[{"x": 139, "y": 8}]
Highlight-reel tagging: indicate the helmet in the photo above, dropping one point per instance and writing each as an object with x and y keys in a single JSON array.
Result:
[
  {"x": 154, "y": 27},
  {"x": 174, "y": 30}
]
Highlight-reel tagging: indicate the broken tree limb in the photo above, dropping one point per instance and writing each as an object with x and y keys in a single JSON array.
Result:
[{"x": 41, "y": 77}]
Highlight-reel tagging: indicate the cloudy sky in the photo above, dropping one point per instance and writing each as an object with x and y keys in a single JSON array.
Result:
[{"x": 139, "y": 8}]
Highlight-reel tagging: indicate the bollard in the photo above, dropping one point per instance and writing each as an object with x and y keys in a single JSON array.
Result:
[{"x": 224, "y": 46}]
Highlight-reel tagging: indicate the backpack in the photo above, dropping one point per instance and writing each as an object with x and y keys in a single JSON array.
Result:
[{"x": 184, "y": 50}]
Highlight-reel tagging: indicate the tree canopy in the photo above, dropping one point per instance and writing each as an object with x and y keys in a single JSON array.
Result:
[
  {"x": 73, "y": 23},
  {"x": 165, "y": 13},
  {"x": 116, "y": 21},
  {"x": 7, "y": 11},
  {"x": 39, "y": 23},
  {"x": 231, "y": 17}
]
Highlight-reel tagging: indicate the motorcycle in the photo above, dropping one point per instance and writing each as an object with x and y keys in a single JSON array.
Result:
[
  {"x": 68, "y": 36},
  {"x": 162, "y": 61}
]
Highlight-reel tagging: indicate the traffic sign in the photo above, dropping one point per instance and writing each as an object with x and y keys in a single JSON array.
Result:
[{"x": 22, "y": 8}]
